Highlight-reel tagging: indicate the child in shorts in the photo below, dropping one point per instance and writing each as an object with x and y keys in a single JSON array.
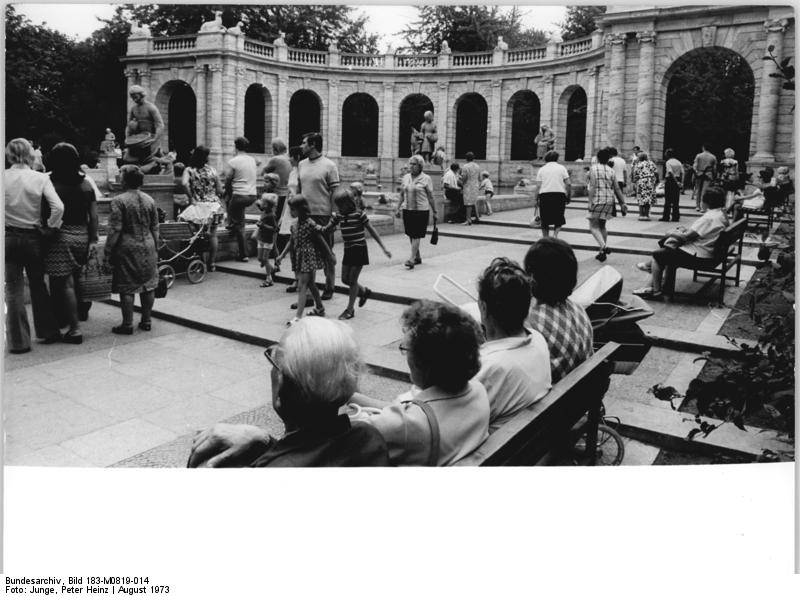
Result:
[
  {"x": 267, "y": 225},
  {"x": 352, "y": 222},
  {"x": 487, "y": 190}
]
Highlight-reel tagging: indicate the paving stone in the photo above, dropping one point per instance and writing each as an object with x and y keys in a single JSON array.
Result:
[{"x": 113, "y": 443}]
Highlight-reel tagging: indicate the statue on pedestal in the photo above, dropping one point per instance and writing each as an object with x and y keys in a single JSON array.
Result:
[
  {"x": 429, "y": 136},
  {"x": 144, "y": 130},
  {"x": 108, "y": 144},
  {"x": 213, "y": 25},
  {"x": 545, "y": 141},
  {"x": 416, "y": 141}
]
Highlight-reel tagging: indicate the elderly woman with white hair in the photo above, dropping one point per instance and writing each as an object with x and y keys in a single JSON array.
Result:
[
  {"x": 416, "y": 200},
  {"x": 314, "y": 370}
]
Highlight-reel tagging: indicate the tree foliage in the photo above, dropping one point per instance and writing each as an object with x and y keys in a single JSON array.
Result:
[
  {"x": 581, "y": 21},
  {"x": 469, "y": 29},
  {"x": 305, "y": 26}
]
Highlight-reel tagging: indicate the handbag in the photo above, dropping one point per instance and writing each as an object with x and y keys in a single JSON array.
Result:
[
  {"x": 161, "y": 288},
  {"x": 435, "y": 235},
  {"x": 94, "y": 280}
]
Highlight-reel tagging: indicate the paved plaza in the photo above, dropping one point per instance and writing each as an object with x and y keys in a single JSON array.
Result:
[{"x": 136, "y": 401}]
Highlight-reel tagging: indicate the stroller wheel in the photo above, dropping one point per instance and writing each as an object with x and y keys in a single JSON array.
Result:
[
  {"x": 196, "y": 271},
  {"x": 168, "y": 273}
]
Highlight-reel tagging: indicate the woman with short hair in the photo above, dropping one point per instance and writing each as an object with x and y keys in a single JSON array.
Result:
[
  {"x": 25, "y": 189},
  {"x": 555, "y": 192},
  {"x": 446, "y": 414},
  {"x": 131, "y": 249},
  {"x": 70, "y": 248},
  {"x": 315, "y": 368},
  {"x": 603, "y": 190},
  {"x": 567, "y": 329},
  {"x": 416, "y": 200}
]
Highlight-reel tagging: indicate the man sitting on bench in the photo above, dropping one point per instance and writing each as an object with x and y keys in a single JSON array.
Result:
[{"x": 690, "y": 249}]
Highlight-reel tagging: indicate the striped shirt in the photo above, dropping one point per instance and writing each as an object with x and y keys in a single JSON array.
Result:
[{"x": 352, "y": 228}]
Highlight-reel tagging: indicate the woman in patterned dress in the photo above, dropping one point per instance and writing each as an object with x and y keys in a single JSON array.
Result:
[
  {"x": 203, "y": 187},
  {"x": 131, "y": 249},
  {"x": 416, "y": 195},
  {"x": 603, "y": 189},
  {"x": 644, "y": 176},
  {"x": 70, "y": 247}
]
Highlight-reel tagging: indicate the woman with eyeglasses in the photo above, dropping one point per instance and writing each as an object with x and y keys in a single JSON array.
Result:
[{"x": 314, "y": 369}]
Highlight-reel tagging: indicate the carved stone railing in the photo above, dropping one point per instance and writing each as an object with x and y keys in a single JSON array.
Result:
[
  {"x": 363, "y": 60},
  {"x": 473, "y": 59},
  {"x": 259, "y": 48},
  {"x": 526, "y": 55},
  {"x": 279, "y": 52},
  {"x": 416, "y": 60},
  {"x": 308, "y": 56},
  {"x": 175, "y": 43},
  {"x": 575, "y": 46}
]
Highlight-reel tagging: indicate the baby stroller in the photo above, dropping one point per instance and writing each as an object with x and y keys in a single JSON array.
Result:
[{"x": 182, "y": 243}]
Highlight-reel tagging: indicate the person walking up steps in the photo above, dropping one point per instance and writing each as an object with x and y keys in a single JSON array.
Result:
[
  {"x": 352, "y": 222},
  {"x": 603, "y": 189},
  {"x": 311, "y": 252}
]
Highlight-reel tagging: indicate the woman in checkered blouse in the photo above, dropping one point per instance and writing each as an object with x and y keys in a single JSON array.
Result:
[{"x": 603, "y": 189}]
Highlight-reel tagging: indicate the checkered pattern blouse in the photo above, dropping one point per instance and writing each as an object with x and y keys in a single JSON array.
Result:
[
  {"x": 568, "y": 332},
  {"x": 604, "y": 179}
]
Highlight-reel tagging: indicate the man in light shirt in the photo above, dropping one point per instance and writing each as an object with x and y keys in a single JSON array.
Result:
[{"x": 240, "y": 190}]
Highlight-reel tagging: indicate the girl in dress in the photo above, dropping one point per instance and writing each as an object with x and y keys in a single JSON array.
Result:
[
  {"x": 265, "y": 230},
  {"x": 310, "y": 253},
  {"x": 352, "y": 222}
]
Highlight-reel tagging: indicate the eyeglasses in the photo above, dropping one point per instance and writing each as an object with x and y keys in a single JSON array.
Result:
[
  {"x": 269, "y": 354},
  {"x": 403, "y": 349}
]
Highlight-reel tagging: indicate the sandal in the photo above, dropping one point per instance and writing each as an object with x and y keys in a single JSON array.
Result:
[
  {"x": 409, "y": 264},
  {"x": 601, "y": 256},
  {"x": 648, "y": 294},
  {"x": 122, "y": 330},
  {"x": 346, "y": 315},
  {"x": 265, "y": 284},
  {"x": 145, "y": 325},
  {"x": 646, "y": 267}
]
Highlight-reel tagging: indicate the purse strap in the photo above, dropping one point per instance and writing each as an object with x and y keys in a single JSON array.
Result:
[{"x": 433, "y": 458}]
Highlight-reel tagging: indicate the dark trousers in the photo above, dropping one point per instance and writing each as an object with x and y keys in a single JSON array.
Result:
[
  {"x": 455, "y": 204},
  {"x": 25, "y": 256},
  {"x": 672, "y": 196},
  {"x": 670, "y": 260},
  {"x": 236, "y": 207}
]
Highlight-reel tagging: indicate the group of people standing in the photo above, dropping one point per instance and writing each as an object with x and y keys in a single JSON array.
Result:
[{"x": 468, "y": 191}]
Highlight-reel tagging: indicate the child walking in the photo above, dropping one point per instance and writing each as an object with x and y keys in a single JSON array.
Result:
[
  {"x": 310, "y": 254},
  {"x": 267, "y": 224},
  {"x": 352, "y": 222},
  {"x": 486, "y": 189}
]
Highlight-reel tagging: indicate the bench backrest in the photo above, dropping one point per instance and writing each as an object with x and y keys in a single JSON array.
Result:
[
  {"x": 533, "y": 432},
  {"x": 728, "y": 239}
]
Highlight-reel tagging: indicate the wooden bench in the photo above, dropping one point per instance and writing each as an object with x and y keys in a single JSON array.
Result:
[
  {"x": 727, "y": 255},
  {"x": 545, "y": 426},
  {"x": 773, "y": 198}
]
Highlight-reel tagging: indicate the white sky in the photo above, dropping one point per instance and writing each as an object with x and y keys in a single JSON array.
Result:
[{"x": 80, "y": 20}]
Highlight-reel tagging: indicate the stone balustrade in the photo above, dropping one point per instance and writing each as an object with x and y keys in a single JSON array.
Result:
[{"x": 498, "y": 57}]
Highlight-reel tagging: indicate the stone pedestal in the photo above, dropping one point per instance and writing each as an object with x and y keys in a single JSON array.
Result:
[
  {"x": 108, "y": 163},
  {"x": 370, "y": 181}
]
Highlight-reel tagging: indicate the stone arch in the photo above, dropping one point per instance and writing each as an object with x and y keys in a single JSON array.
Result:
[
  {"x": 305, "y": 115},
  {"x": 472, "y": 117},
  {"x": 412, "y": 110},
  {"x": 571, "y": 121},
  {"x": 360, "y": 125},
  {"x": 258, "y": 118},
  {"x": 177, "y": 103},
  {"x": 706, "y": 95},
  {"x": 523, "y": 115}
]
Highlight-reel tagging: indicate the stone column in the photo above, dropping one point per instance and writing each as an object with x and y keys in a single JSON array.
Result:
[
  {"x": 241, "y": 89},
  {"x": 215, "y": 115},
  {"x": 616, "y": 88},
  {"x": 770, "y": 93},
  {"x": 389, "y": 147},
  {"x": 546, "y": 115},
  {"x": 333, "y": 142},
  {"x": 282, "y": 101},
  {"x": 132, "y": 75},
  {"x": 495, "y": 116},
  {"x": 645, "y": 96},
  {"x": 202, "y": 110},
  {"x": 592, "y": 109},
  {"x": 145, "y": 77},
  {"x": 228, "y": 103},
  {"x": 440, "y": 113}
]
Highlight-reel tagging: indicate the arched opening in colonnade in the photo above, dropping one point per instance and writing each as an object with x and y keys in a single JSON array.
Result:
[
  {"x": 258, "y": 118},
  {"x": 360, "y": 125},
  {"x": 471, "y": 120},
  {"x": 572, "y": 121},
  {"x": 523, "y": 114},
  {"x": 177, "y": 104},
  {"x": 412, "y": 113},
  {"x": 709, "y": 99},
  {"x": 305, "y": 115}
]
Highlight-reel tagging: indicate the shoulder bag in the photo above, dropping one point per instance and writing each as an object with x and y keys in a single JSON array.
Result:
[{"x": 433, "y": 457}]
